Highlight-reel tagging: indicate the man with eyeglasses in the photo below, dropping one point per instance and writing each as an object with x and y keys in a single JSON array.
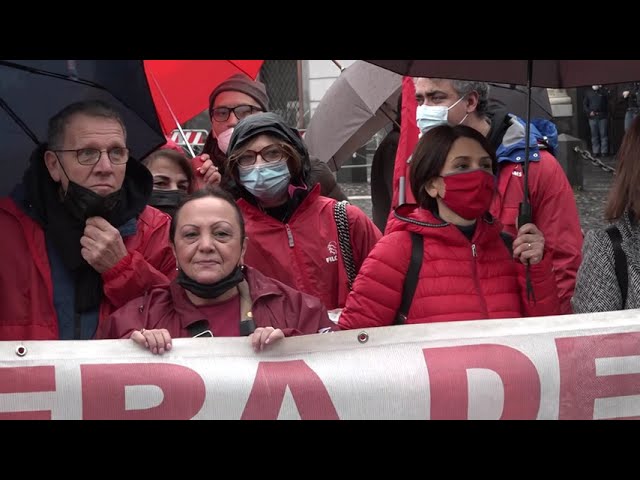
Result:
[
  {"x": 234, "y": 99},
  {"x": 79, "y": 240}
]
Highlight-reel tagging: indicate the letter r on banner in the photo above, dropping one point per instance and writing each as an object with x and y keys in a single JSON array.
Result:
[
  {"x": 449, "y": 387},
  {"x": 103, "y": 391}
]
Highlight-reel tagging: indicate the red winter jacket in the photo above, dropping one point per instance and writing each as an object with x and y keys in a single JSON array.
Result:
[
  {"x": 554, "y": 213},
  {"x": 26, "y": 293},
  {"x": 305, "y": 253},
  {"x": 458, "y": 280},
  {"x": 273, "y": 304}
]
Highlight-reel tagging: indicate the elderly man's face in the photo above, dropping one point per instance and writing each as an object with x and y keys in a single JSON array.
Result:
[{"x": 81, "y": 132}]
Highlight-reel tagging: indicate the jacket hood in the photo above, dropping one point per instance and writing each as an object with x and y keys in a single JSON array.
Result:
[
  {"x": 543, "y": 134},
  {"x": 270, "y": 123}
]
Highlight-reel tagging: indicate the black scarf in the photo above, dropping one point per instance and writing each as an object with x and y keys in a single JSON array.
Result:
[
  {"x": 213, "y": 290},
  {"x": 63, "y": 217}
]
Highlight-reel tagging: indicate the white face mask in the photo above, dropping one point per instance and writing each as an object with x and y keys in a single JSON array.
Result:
[
  {"x": 223, "y": 140},
  {"x": 595, "y": 87},
  {"x": 429, "y": 116}
]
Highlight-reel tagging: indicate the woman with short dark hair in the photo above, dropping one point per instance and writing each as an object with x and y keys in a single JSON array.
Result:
[
  {"x": 215, "y": 294},
  {"x": 468, "y": 270}
]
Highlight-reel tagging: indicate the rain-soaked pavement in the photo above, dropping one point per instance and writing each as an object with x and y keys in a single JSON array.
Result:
[{"x": 590, "y": 200}]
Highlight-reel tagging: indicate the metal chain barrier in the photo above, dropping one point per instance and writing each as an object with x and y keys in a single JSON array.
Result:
[{"x": 597, "y": 162}]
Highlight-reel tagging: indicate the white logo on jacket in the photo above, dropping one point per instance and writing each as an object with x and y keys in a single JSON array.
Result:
[{"x": 332, "y": 247}]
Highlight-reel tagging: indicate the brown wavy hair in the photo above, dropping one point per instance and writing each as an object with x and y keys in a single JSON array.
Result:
[{"x": 625, "y": 193}]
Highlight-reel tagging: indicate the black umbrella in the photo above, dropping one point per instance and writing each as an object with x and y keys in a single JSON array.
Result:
[
  {"x": 32, "y": 91},
  {"x": 532, "y": 73}
]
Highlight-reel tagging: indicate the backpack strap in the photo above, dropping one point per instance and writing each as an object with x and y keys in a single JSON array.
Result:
[
  {"x": 620, "y": 261},
  {"x": 411, "y": 280},
  {"x": 344, "y": 239}
]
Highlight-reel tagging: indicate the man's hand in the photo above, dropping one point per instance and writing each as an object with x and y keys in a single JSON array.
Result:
[{"x": 102, "y": 245}]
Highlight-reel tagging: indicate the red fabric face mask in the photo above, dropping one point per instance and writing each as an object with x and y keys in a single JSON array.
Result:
[{"x": 469, "y": 194}]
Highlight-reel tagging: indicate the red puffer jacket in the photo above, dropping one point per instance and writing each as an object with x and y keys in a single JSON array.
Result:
[
  {"x": 304, "y": 253},
  {"x": 459, "y": 279},
  {"x": 26, "y": 292}
]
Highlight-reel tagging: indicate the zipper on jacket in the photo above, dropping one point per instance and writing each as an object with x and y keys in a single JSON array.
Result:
[
  {"x": 474, "y": 254},
  {"x": 289, "y": 235}
]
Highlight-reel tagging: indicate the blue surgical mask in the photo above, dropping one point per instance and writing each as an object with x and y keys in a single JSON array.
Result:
[
  {"x": 266, "y": 182},
  {"x": 429, "y": 116}
]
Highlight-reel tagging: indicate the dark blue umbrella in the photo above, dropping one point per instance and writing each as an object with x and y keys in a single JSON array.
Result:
[{"x": 32, "y": 91}]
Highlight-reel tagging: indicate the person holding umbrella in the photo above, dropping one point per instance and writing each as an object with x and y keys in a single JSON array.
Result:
[
  {"x": 453, "y": 102},
  {"x": 79, "y": 240},
  {"x": 467, "y": 269},
  {"x": 231, "y": 101}
]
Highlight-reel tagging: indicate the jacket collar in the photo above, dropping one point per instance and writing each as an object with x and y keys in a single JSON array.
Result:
[{"x": 256, "y": 286}]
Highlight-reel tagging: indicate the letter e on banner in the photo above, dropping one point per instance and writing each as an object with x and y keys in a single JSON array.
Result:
[
  {"x": 449, "y": 387},
  {"x": 104, "y": 396},
  {"x": 308, "y": 391},
  {"x": 581, "y": 384},
  {"x": 27, "y": 380}
]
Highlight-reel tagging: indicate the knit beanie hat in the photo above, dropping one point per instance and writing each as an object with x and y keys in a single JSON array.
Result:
[{"x": 242, "y": 83}]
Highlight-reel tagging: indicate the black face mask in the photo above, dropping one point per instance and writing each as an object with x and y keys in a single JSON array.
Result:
[
  {"x": 83, "y": 203},
  {"x": 213, "y": 290},
  {"x": 167, "y": 200}
]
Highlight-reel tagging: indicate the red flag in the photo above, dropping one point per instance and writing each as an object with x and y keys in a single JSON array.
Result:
[{"x": 407, "y": 143}]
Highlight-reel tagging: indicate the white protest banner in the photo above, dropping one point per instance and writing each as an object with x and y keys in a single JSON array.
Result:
[{"x": 565, "y": 367}]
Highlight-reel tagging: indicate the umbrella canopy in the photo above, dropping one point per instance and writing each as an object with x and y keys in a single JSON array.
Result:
[
  {"x": 32, "y": 91},
  {"x": 513, "y": 99},
  {"x": 545, "y": 73},
  {"x": 185, "y": 85},
  {"x": 358, "y": 104}
]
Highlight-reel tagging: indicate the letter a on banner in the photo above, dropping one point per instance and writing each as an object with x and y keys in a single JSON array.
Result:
[{"x": 308, "y": 391}]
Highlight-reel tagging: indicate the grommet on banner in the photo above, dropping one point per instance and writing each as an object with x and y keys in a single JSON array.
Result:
[
  {"x": 21, "y": 350},
  {"x": 363, "y": 337}
]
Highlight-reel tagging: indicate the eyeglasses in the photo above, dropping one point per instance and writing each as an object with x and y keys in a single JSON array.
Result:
[
  {"x": 221, "y": 114},
  {"x": 270, "y": 154},
  {"x": 91, "y": 156}
]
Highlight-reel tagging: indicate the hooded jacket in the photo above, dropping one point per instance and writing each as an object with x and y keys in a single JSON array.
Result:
[
  {"x": 28, "y": 298},
  {"x": 273, "y": 304},
  {"x": 552, "y": 201},
  {"x": 318, "y": 173},
  {"x": 301, "y": 249},
  {"x": 459, "y": 279}
]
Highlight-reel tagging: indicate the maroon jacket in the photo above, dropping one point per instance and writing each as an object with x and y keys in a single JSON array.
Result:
[{"x": 273, "y": 305}]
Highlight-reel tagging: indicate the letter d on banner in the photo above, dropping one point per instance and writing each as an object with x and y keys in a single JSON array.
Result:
[{"x": 449, "y": 387}]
